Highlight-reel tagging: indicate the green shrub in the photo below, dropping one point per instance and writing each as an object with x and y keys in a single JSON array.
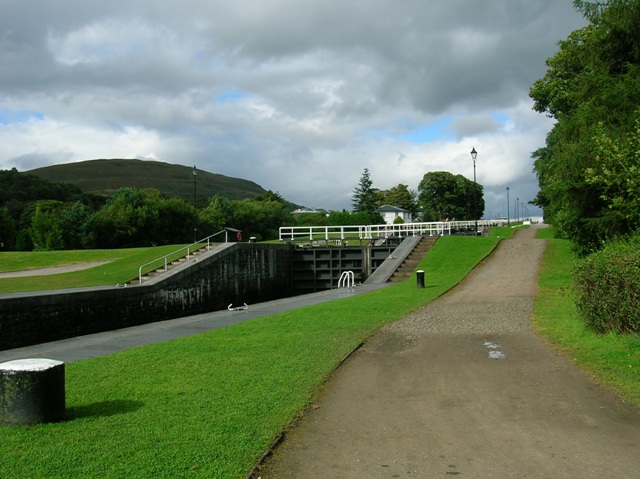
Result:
[{"x": 608, "y": 287}]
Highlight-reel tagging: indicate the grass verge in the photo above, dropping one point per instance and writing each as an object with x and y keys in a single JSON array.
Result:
[
  {"x": 209, "y": 405},
  {"x": 612, "y": 360}
]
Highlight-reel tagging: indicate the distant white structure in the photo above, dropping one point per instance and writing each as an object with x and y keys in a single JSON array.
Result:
[{"x": 390, "y": 213}]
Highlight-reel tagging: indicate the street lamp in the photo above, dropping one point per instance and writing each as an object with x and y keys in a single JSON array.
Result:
[
  {"x": 517, "y": 210},
  {"x": 508, "y": 222},
  {"x": 195, "y": 205},
  {"x": 474, "y": 155}
]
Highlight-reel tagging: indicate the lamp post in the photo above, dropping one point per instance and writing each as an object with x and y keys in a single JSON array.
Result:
[
  {"x": 195, "y": 205},
  {"x": 474, "y": 155},
  {"x": 517, "y": 210},
  {"x": 508, "y": 222}
]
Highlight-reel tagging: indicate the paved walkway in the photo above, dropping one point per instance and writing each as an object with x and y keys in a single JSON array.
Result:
[{"x": 463, "y": 387}]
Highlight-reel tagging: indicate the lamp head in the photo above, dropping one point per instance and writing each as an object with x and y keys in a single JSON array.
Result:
[{"x": 474, "y": 153}]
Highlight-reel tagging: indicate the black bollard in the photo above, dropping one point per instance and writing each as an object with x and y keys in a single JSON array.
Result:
[{"x": 420, "y": 276}]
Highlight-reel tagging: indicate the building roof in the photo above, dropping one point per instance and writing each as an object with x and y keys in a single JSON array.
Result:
[{"x": 395, "y": 209}]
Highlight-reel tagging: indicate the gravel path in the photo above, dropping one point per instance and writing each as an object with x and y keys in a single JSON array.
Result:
[
  {"x": 496, "y": 297},
  {"x": 464, "y": 387}
]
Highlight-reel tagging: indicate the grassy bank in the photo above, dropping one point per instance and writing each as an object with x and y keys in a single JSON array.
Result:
[
  {"x": 612, "y": 360},
  {"x": 208, "y": 405},
  {"x": 122, "y": 265}
]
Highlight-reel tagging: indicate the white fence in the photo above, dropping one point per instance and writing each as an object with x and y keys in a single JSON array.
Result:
[{"x": 341, "y": 233}]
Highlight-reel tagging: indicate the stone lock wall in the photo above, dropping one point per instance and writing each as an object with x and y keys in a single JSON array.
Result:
[{"x": 243, "y": 273}]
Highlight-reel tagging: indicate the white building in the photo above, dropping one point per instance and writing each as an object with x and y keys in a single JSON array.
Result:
[{"x": 390, "y": 213}]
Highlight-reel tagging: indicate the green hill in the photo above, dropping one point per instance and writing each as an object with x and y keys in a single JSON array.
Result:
[{"x": 103, "y": 177}]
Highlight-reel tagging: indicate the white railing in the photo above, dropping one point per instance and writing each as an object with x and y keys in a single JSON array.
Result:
[
  {"x": 341, "y": 233},
  {"x": 312, "y": 233},
  {"x": 163, "y": 261}
]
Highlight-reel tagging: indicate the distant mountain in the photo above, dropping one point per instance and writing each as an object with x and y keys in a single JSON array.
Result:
[{"x": 103, "y": 177}]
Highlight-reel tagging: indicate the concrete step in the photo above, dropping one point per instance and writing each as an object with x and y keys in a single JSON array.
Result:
[{"x": 408, "y": 266}]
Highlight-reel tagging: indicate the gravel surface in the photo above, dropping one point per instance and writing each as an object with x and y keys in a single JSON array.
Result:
[{"x": 496, "y": 297}]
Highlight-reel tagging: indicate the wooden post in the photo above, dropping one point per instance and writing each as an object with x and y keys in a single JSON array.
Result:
[{"x": 32, "y": 391}]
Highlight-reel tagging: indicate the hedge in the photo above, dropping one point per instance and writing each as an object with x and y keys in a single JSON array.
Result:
[{"x": 608, "y": 287}]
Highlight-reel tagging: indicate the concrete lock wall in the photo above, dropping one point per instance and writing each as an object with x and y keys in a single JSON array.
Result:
[{"x": 243, "y": 273}]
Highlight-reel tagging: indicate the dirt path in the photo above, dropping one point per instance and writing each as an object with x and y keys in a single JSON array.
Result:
[{"x": 463, "y": 387}]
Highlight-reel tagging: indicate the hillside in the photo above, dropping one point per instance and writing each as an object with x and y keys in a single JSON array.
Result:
[{"x": 103, "y": 177}]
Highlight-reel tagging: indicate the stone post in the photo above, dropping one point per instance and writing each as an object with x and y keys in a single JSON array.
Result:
[{"x": 32, "y": 391}]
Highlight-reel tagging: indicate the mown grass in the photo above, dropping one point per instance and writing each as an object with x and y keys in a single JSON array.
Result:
[
  {"x": 613, "y": 360},
  {"x": 122, "y": 266},
  {"x": 209, "y": 405}
]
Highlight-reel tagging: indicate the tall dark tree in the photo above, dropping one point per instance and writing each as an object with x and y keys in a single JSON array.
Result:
[
  {"x": 364, "y": 199},
  {"x": 588, "y": 170},
  {"x": 364, "y": 196}
]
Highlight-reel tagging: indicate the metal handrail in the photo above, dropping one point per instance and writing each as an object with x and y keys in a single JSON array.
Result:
[{"x": 187, "y": 248}]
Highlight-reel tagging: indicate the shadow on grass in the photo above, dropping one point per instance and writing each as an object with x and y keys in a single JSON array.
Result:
[{"x": 103, "y": 409}]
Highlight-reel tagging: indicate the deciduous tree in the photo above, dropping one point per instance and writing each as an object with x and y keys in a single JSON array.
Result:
[
  {"x": 400, "y": 196},
  {"x": 592, "y": 90},
  {"x": 444, "y": 196}
]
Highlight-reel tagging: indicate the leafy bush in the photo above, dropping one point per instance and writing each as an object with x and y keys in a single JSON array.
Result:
[{"x": 608, "y": 287}]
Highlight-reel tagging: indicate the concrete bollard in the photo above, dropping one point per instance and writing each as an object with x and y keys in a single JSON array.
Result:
[
  {"x": 420, "y": 277},
  {"x": 32, "y": 391}
]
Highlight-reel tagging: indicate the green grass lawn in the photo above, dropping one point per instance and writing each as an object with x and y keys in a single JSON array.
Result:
[
  {"x": 123, "y": 266},
  {"x": 209, "y": 405},
  {"x": 613, "y": 360}
]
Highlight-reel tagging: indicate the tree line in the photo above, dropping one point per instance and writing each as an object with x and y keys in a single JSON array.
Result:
[
  {"x": 441, "y": 196},
  {"x": 589, "y": 169},
  {"x": 36, "y": 214}
]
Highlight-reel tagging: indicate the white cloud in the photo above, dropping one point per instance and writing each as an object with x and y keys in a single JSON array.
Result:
[{"x": 299, "y": 97}]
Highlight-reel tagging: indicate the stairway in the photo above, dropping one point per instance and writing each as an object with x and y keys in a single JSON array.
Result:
[
  {"x": 408, "y": 266},
  {"x": 193, "y": 256}
]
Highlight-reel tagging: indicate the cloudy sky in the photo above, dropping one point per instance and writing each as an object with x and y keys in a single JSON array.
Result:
[{"x": 297, "y": 96}]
